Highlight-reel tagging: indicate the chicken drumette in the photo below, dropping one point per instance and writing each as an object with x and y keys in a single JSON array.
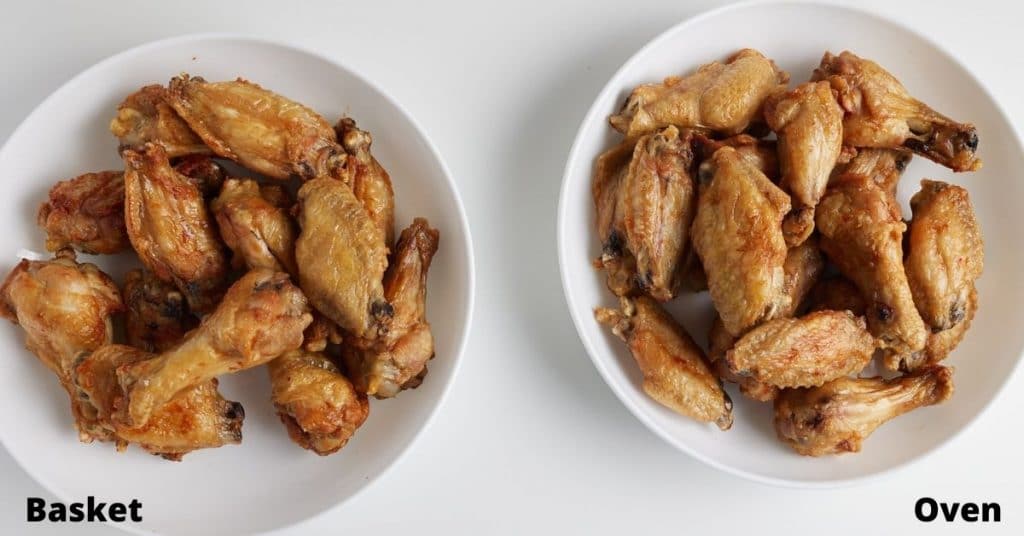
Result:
[{"x": 255, "y": 225}]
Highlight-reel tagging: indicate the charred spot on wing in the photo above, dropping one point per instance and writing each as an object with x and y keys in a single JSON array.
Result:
[
  {"x": 614, "y": 246},
  {"x": 883, "y": 312},
  {"x": 381, "y": 309}
]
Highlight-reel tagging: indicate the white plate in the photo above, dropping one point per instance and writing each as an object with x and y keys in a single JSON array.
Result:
[
  {"x": 266, "y": 482},
  {"x": 796, "y": 35}
]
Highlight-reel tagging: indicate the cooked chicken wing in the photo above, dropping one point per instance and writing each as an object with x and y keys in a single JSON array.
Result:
[
  {"x": 316, "y": 403},
  {"x": 940, "y": 344},
  {"x": 170, "y": 228},
  {"x": 145, "y": 117},
  {"x": 721, "y": 341},
  {"x": 65, "y": 308},
  {"x": 259, "y": 129},
  {"x": 341, "y": 258},
  {"x": 261, "y": 317},
  {"x": 723, "y": 97},
  {"x": 862, "y": 234},
  {"x": 675, "y": 370},
  {"x": 884, "y": 166},
  {"x": 398, "y": 360},
  {"x": 370, "y": 183},
  {"x": 881, "y": 113},
  {"x": 255, "y": 224},
  {"x": 197, "y": 417},
  {"x": 837, "y": 417},
  {"x": 763, "y": 154},
  {"x": 802, "y": 269},
  {"x": 945, "y": 253},
  {"x": 809, "y": 124},
  {"x": 803, "y": 352},
  {"x": 737, "y": 233},
  {"x": 616, "y": 260},
  {"x": 157, "y": 315},
  {"x": 86, "y": 213},
  {"x": 836, "y": 294}
]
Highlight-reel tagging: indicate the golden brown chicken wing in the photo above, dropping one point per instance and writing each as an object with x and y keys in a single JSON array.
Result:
[
  {"x": 616, "y": 260},
  {"x": 86, "y": 213},
  {"x": 838, "y": 416},
  {"x": 255, "y": 224},
  {"x": 65, "y": 308},
  {"x": 261, "y": 317},
  {"x": 157, "y": 316},
  {"x": 316, "y": 403},
  {"x": 197, "y": 417},
  {"x": 259, "y": 129},
  {"x": 945, "y": 253},
  {"x": 802, "y": 269},
  {"x": 862, "y": 234},
  {"x": 341, "y": 259},
  {"x": 675, "y": 370},
  {"x": 803, "y": 352},
  {"x": 881, "y": 113},
  {"x": 145, "y": 117},
  {"x": 836, "y": 294},
  {"x": 170, "y": 228},
  {"x": 721, "y": 341},
  {"x": 370, "y": 183},
  {"x": 884, "y": 166},
  {"x": 737, "y": 233},
  {"x": 398, "y": 360},
  {"x": 723, "y": 97},
  {"x": 809, "y": 125}
]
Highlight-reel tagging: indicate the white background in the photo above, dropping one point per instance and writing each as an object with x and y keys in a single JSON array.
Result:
[{"x": 530, "y": 439}]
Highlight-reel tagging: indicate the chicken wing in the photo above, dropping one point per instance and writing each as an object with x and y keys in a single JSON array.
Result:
[
  {"x": 65, "y": 308},
  {"x": 398, "y": 360},
  {"x": 837, "y": 417},
  {"x": 862, "y": 234},
  {"x": 616, "y": 260},
  {"x": 723, "y": 97},
  {"x": 341, "y": 259},
  {"x": 675, "y": 370},
  {"x": 370, "y": 183},
  {"x": 803, "y": 352},
  {"x": 879, "y": 112},
  {"x": 809, "y": 125},
  {"x": 721, "y": 341},
  {"x": 86, "y": 213},
  {"x": 316, "y": 403},
  {"x": 261, "y": 317},
  {"x": 737, "y": 233},
  {"x": 259, "y": 129},
  {"x": 255, "y": 225},
  {"x": 145, "y": 117},
  {"x": 802, "y": 269},
  {"x": 940, "y": 344},
  {"x": 197, "y": 417},
  {"x": 157, "y": 315},
  {"x": 884, "y": 166},
  {"x": 836, "y": 294},
  {"x": 170, "y": 228},
  {"x": 945, "y": 253}
]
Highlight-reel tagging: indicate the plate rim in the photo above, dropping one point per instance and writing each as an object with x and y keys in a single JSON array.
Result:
[
  {"x": 561, "y": 232},
  {"x": 469, "y": 301}
]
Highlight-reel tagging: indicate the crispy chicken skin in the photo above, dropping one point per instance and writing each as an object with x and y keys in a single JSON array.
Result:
[
  {"x": 86, "y": 213},
  {"x": 862, "y": 234},
  {"x": 316, "y": 403},
  {"x": 259, "y": 129},
  {"x": 261, "y": 317},
  {"x": 255, "y": 225},
  {"x": 195, "y": 418},
  {"x": 809, "y": 125},
  {"x": 370, "y": 183},
  {"x": 156, "y": 316},
  {"x": 341, "y": 258},
  {"x": 945, "y": 253},
  {"x": 879, "y": 112},
  {"x": 616, "y": 260},
  {"x": 802, "y": 269},
  {"x": 398, "y": 360},
  {"x": 803, "y": 352},
  {"x": 763, "y": 154},
  {"x": 675, "y": 370},
  {"x": 721, "y": 341},
  {"x": 738, "y": 235},
  {"x": 722, "y": 97},
  {"x": 835, "y": 294},
  {"x": 170, "y": 228},
  {"x": 145, "y": 117},
  {"x": 884, "y": 166},
  {"x": 837, "y": 417},
  {"x": 65, "y": 308},
  {"x": 941, "y": 343}
]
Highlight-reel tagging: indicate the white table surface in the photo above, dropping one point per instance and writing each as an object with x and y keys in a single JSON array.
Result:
[{"x": 530, "y": 439}]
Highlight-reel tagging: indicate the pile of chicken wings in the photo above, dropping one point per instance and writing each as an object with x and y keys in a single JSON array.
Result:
[
  {"x": 297, "y": 269},
  {"x": 781, "y": 203}
]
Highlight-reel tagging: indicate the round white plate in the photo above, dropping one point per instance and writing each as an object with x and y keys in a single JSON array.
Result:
[
  {"x": 796, "y": 35},
  {"x": 267, "y": 482}
]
